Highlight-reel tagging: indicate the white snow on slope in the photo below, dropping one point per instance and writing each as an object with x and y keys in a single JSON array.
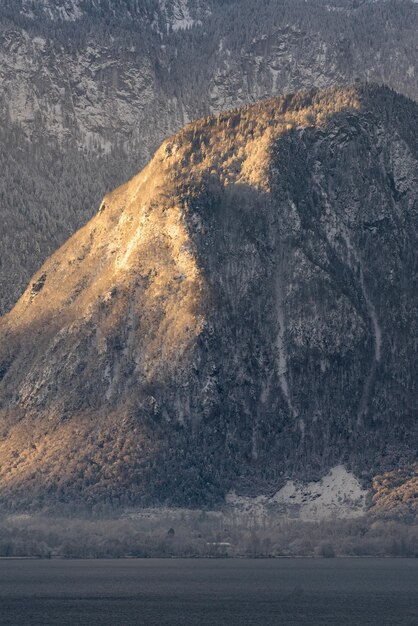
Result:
[
  {"x": 337, "y": 495},
  {"x": 179, "y": 16}
]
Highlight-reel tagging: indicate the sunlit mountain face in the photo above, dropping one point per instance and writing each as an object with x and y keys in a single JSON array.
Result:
[
  {"x": 89, "y": 90},
  {"x": 240, "y": 313}
]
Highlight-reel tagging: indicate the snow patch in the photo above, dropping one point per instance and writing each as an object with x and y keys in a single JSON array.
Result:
[
  {"x": 40, "y": 43},
  {"x": 180, "y": 16},
  {"x": 337, "y": 495}
]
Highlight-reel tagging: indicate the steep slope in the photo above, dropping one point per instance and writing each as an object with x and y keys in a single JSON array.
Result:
[
  {"x": 108, "y": 76},
  {"x": 47, "y": 192},
  {"x": 241, "y": 313}
]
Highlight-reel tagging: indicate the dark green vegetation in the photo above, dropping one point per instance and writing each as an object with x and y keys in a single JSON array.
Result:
[
  {"x": 79, "y": 78},
  {"x": 48, "y": 190}
]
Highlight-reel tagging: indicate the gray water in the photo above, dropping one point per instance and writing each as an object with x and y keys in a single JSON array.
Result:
[{"x": 314, "y": 592}]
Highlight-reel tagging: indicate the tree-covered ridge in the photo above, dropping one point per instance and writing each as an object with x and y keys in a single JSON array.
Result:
[{"x": 239, "y": 314}]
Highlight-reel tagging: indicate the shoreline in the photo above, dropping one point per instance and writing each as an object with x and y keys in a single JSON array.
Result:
[{"x": 207, "y": 558}]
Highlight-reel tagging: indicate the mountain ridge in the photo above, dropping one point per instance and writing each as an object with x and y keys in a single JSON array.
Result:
[
  {"x": 102, "y": 91},
  {"x": 218, "y": 325}
]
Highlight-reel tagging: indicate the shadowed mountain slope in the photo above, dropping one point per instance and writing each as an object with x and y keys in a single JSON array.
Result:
[{"x": 241, "y": 312}]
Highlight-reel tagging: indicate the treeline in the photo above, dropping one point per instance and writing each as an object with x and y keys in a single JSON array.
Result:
[{"x": 202, "y": 534}]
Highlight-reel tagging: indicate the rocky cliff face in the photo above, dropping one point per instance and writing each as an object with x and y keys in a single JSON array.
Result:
[
  {"x": 104, "y": 82},
  {"x": 240, "y": 314}
]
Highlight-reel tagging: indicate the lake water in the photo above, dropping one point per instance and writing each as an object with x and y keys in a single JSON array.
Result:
[{"x": 314, "y": 592}]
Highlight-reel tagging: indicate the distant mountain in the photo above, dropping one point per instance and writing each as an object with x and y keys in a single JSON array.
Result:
[
  {"x": 98, "y": 84},
  {"x": 241, "y": 313}
]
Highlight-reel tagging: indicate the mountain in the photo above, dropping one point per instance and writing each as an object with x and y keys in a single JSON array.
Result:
[
  {"x": 90, "y": 89},
  {"x": 241, "y": 313}
]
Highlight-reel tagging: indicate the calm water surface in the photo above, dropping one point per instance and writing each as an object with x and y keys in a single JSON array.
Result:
[{"x": 283, "y": 592}]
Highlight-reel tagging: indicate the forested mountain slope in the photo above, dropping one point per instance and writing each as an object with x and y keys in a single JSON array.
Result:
[
  {"x": 241, "y": 313},
  {"x": 98, "y": 85}
]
